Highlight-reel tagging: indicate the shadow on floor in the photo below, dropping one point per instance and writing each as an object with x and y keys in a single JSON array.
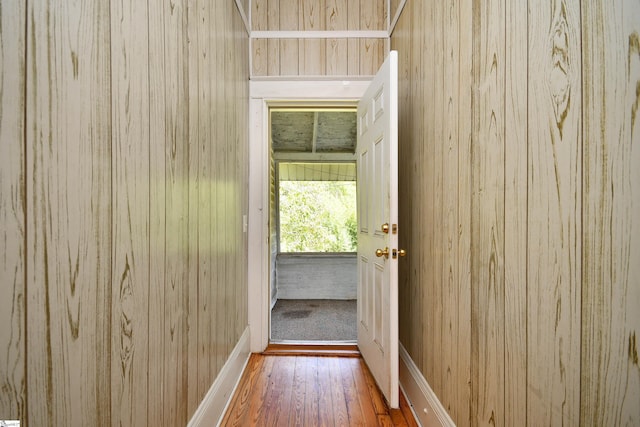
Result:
[{"x": 314, "y": 320}]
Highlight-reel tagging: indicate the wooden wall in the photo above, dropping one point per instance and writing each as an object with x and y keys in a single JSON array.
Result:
[
  {"x": 12, "y": 210},
  {"x": 317, "y": 57},
  {"x": 521, "y": 208},
  {"x": 123, "y": 174},
  {"x": 434, "y": 44}
]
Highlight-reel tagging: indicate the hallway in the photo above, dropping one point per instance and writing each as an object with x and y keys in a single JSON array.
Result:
[{"x": 311, "y": 390}]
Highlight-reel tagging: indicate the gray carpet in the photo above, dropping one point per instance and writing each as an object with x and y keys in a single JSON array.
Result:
[{"x": 314, "y": 320}]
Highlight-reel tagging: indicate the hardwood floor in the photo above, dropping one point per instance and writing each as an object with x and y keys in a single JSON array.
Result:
[{"x": 307, "y": 390}]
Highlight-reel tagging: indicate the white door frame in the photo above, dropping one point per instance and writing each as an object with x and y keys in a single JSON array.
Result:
[{"x": 262, "y": 95}]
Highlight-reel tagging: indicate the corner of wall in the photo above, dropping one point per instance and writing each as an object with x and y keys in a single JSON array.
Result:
[
  {"x": 426, "y": 406},
  {"x": 214, "y": 405}
]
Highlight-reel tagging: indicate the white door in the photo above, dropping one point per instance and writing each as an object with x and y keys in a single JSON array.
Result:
[{"x": 377, "y": 157}]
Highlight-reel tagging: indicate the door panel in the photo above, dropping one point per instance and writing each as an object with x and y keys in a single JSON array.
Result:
[{"x": 377, "y": 154}]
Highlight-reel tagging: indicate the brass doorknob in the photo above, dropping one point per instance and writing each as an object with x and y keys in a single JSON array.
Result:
[
  {"x": 402, "y": 252},
  {"x": 380, "y": 252},
  {"x": 385, "y": 228}
]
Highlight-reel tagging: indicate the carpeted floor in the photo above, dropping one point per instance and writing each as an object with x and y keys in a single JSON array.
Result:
[{"x": 314, "y": 320}]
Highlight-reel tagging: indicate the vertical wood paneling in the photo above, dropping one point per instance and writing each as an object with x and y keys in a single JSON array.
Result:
[
  {"x": 405, "y": 182},
  {"x": 261, "y": 59},
  {"x": 419, "y": 136},
  {"x": 289, "y": 49},
  {"x": 353, "y": 45},
  {"x": 439, "y": 94},
  {"x": 69, "y": 219},
  {"x": 487, "y": 221},
  {"x": 176, "y": 148},
  {"x": 465, "y": 189},
  {"x": 230, "y": 211},
  {"x": 515, "y": 216},
  {"x": 196, "y": 262},
  {"x": 242, "y": 123},
  {"x": 426, "y": 208},
  {"x": 552, "y": 288},
  {"x": 435, "y": 195},
  {"x": 203, "y": 205},
  {"x": 217, "y": 176},
  {"x": 130, "y": 214},
  {"x": 449, "y": 218},
  {"x": 222, "y": 110},
  {"x": 273, "y": 46},
  {"x": 12, "y": 210},
  {"x": 554, "y": 214},
  {"x": 157, "y": 228},
  {"x": 115, "y": 179},
  {"x": 372, "y": 16},
  {"x": 313, "y": 52},
  {"x": 317, "y": 57},
  {"x": 610, "y": 378},
  {"x": 337, "y": 52}
]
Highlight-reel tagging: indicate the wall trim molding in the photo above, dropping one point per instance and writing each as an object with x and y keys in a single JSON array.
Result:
[
  {"x": 322, "y": 34},
  {"x": 215, "y": 402},
  {"x": 426, "y": 405}
]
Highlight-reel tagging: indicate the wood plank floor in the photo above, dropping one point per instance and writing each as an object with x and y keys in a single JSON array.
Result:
[{"x": 305, "y": 390}]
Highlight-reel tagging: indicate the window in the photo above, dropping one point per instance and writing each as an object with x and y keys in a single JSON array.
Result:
[{"x": 317, "y": 207}]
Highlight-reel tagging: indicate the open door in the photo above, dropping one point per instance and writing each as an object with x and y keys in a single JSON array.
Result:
[{"x": 378, "y": 252}]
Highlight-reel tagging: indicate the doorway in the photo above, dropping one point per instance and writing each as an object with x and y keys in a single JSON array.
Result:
[
  {"x": 378, "y": 251},
  {"x": 265, "y": 95},
  {"x": 312, "y": 224}
]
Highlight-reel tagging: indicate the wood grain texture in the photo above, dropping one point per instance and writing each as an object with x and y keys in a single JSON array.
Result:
[
  {"x": 273, "y": 46},
  {"x": 196, "y": 35},
  {"x": 312, "y": 53},
  {"x": 289, "y": 49},
  {"x": 610, "y": 377},
  {"x": 435, "y": 186},
  {"x": 69, "y": 214},
  {"x": 259, "y": 22},
  {"x": 157, "y": 226},
  {"x": 130, "y": 213},
  {"x": 122, "y": 168},
  {"x": 311, "y": 390},
  {"x": 487, "y": 221},
  {"x": 200, "y": 203},
  {"x": 552, "y": 244},
  {"x": 12, "y": 210},
  {"x": 515, "y": 216},
  {"x": 337, "y": 18},
  {"x": 465, "y": 189},
  {"x": 176, "y": 210},
  {"x": 317, "y": 57},
  {"x": 554, "y": 212},
  {"x": 410, "y": 314},
  {"x": 353, "y": 46}
]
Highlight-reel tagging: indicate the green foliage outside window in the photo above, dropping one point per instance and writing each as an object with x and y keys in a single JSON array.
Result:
[{"x": 318, "y": 216}]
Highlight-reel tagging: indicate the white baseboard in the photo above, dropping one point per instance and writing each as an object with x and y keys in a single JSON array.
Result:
[
  {"x": 215, "y": 402},
  {"x": 426, "y": 406}
]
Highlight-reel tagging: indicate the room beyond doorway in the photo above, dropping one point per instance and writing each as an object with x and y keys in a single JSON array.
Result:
[{"x": 313, "y": 225}]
